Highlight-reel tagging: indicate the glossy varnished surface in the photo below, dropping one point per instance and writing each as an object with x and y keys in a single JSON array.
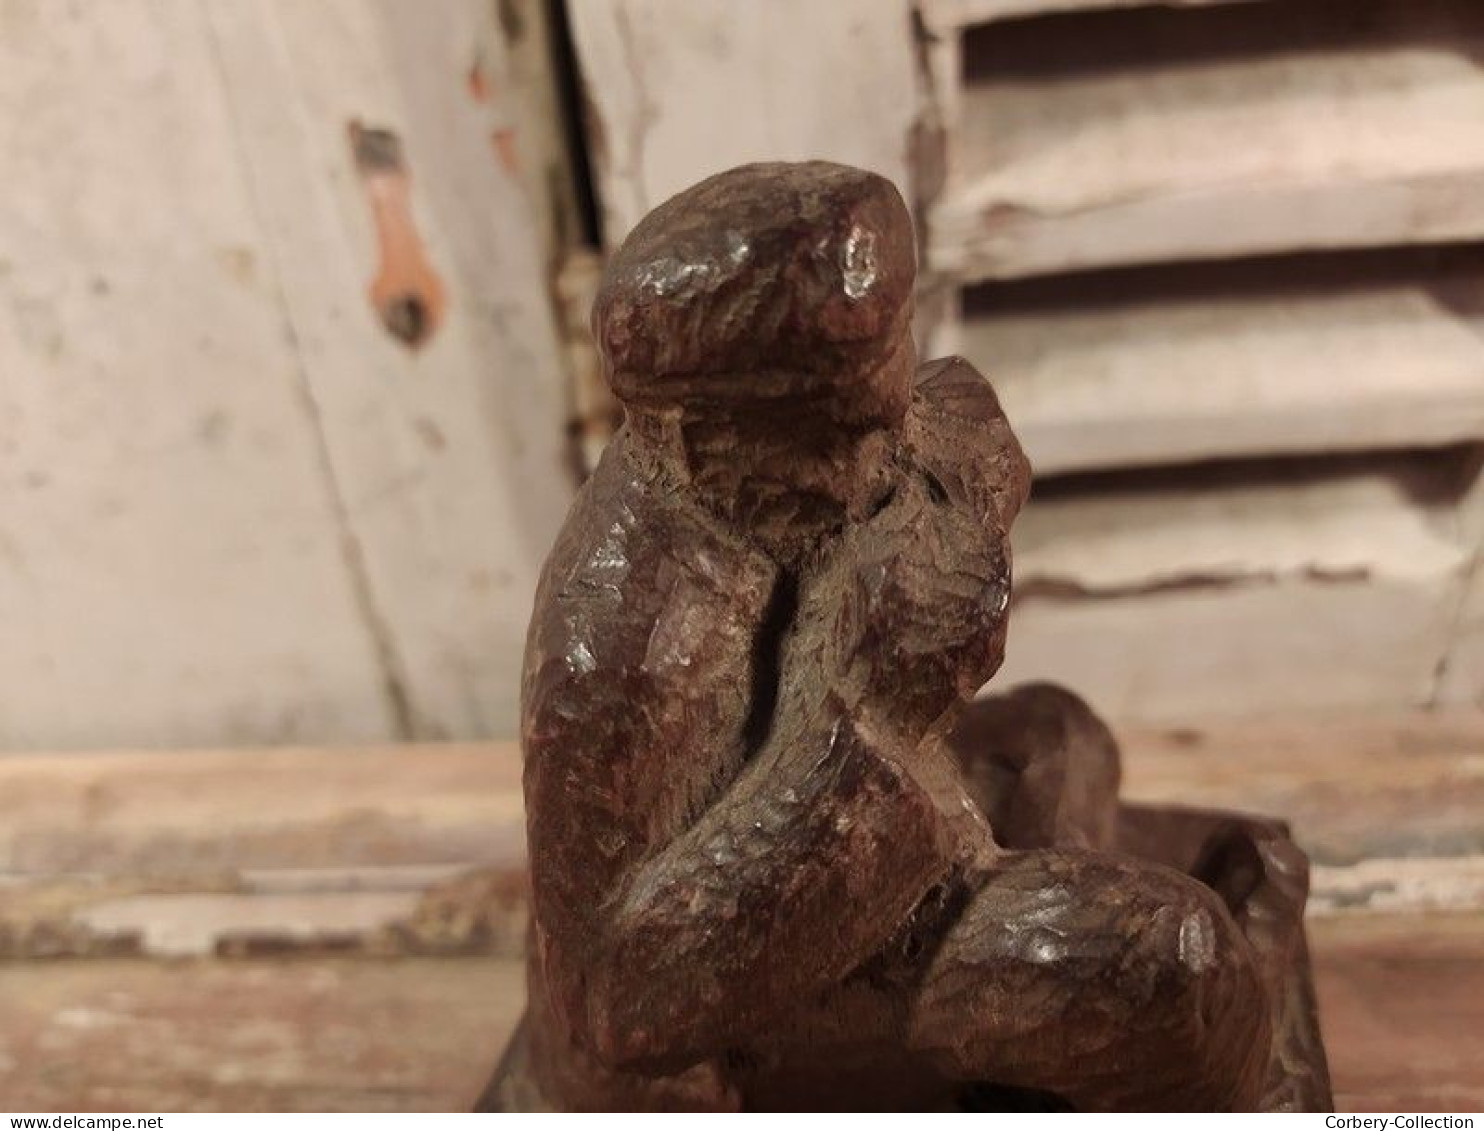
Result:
[{"x": 773, "y": 864}]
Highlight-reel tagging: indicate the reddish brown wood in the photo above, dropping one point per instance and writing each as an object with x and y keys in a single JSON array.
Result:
[{"x": 772, "y": 865}]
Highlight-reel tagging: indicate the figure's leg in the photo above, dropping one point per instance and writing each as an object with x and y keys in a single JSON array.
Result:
[
  {"x": 1042, "y": 766},
  {"x": 1115, "y": 984}
]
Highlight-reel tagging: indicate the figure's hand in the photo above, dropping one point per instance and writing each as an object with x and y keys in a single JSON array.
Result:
[{"x": 921, "y": 594}]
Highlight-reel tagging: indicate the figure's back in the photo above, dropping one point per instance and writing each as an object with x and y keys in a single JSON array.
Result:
[{"x": 636, "y": 694}]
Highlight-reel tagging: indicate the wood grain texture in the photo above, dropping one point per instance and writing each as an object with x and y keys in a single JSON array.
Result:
[
  {"x": 148, "y": 399},
  {"x": 1384, "y": 788},
  {"x": 447, "y": 463},
  {"x": 1065, "y": 157},
  {"x": 1399, "y": 990},
  {"x": 310, "y": 1035},
  {"x": 952, "y": 14},
  {"x": 1181, "y": 363},
  {"x": 1353, "y": 788},
  {"x": 830, "y": 82},
  {"x": 238, "y": 510},
  {"x": 153, "y": 813},
  {"x": 1187, "y": 596},
  {"x": 1402, "y": 1002},
  {"x": 1401, "y": 999}
]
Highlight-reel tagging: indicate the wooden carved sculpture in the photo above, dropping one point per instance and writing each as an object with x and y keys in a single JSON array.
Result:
[{"x": 778, "y": 860}]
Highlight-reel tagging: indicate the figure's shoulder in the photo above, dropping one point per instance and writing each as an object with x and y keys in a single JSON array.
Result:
[
  {"x": 631, "y": 525},
  {"x": 637, "y": 562},
  {"x": 645, "y": 617},
  {"x": 615, "y": 499}
]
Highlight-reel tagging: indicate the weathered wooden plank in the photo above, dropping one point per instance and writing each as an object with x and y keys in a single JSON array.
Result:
[
  {"x": 1278, "y": 356},
  {"x": 950, "y": 14},
  {"x": 448, "y": 462},
  {"x": 1402, "y": 886},
  {"x": 421, "y": 849},
  {"x": 1156, "y": 134},
  {"x": 1460, "y": 679},
  {"x": 165, "y": 813},
  {"x": 1401, "y": 1002},
  {"x": 1199, "y": 597},
  {"x": 520, "y": 71},
  {"x": 243, "y": 511},
  {"x": 677, "y": 92},
  {"x": 1355, "y": 787},
  {"x": 306, "y": 1035},
  {"x": 1371, "y": 786},
  {"x": 171, "y": 571}
]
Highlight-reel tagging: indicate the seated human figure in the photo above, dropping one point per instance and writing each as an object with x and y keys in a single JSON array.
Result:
[{"x": 774, "y": 862}]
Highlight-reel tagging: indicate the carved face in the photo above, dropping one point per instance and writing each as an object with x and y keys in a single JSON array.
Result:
[{"x": 768, "y": 286}]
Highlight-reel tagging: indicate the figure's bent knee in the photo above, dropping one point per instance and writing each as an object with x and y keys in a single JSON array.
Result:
[
  {"x": 1190, "y": 942},
  {"x": 1199, "y": 1010},
  {"x": 1141, "y": 968}
]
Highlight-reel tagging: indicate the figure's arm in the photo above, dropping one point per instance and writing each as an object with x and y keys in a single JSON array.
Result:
[
  {"x": 740, "y": 917},
  {"x": 689, "y": 876},
  {"x": 835, "y": 812},
  {"x": 785, "y": 886}
]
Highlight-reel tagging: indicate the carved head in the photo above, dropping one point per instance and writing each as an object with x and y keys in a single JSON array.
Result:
[{"x": 770, "y": 284}]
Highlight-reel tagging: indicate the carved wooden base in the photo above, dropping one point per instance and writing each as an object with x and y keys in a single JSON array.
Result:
[
  {"x": 1298, "y": 1072},
  {"x": 1298, "y": 1069}
]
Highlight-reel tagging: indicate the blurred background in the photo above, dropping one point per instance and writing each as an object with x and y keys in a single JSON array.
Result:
[
  {"x": 296, "y": 385},
  {"x": 297, "y": 380}
]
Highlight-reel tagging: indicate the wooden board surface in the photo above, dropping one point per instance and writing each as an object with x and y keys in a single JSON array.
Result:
[
  {"x": 149, "y": 398},
  {"x": 677, "y": 92},
  {"x": 236, "y": 508},
  {"x": 340, "y": 929},
  {"x": 1357, "y": 787},
  {"x": 950, "y": 14},
  {"x": 1160, "y": 133},
  {"x": 313, "y": 1035},
  {"x": 1179, "y": 594},
  {"x": 1290, "y": 355},
  {"x": 1401, "y": 1002}
]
